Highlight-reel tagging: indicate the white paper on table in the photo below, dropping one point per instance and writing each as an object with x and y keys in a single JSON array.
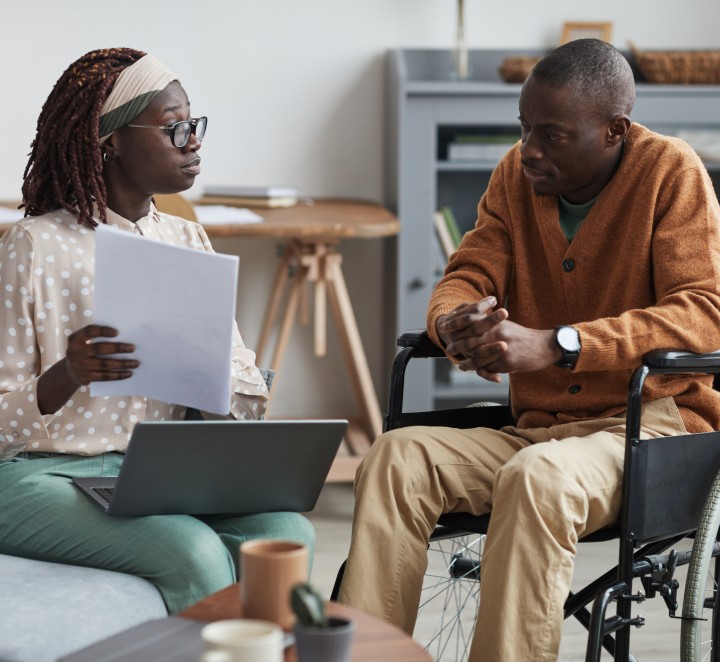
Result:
[
  {"x": 225, "y": 215},
  {"x": 8, "y": 215},
  {"x": 177, "y": 306}
]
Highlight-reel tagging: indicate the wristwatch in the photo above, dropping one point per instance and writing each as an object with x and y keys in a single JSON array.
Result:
[{"x": 568, "y": 339}]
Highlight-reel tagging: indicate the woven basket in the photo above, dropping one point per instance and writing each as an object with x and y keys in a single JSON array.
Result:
[
  {"x": 679, "y": 67},
  {"x": 516, "y": 69}
]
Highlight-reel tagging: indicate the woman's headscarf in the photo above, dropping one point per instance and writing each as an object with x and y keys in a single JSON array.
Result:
[{"x": 134, "y": 89}]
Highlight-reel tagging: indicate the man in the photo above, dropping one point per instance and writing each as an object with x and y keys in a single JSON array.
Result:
[{"x": 596, "y": 242}]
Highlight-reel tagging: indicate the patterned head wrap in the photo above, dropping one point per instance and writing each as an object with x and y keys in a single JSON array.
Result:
[{"x": 134, "y": 89}]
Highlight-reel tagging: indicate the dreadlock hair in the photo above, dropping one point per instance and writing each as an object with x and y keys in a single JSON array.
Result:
[
  {"x": 65, "y": 167},
  {"x": 597, "y": 71}
]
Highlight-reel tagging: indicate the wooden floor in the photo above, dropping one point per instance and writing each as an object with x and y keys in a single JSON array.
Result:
[{"x": 657, "y": 641}]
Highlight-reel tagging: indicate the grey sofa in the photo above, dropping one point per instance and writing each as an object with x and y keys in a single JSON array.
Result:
[{"x": 48, "y": 610}]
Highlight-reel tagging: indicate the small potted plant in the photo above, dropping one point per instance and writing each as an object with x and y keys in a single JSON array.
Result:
[{"x": 318, "y": 638}]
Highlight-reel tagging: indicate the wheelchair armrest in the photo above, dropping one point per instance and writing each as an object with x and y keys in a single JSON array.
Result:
[
  {"x": 667, "y": 361},
  {"x": 419, "y": 341}
]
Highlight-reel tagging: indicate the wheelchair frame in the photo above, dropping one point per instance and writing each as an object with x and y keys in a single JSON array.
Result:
[{"x": 660, "y": 507}]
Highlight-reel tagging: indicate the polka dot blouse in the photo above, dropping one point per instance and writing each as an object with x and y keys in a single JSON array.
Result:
[{"x": 46, "y": 293}]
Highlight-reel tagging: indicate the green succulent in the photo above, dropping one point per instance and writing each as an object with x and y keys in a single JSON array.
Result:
[{"x": 308, "y": 606}]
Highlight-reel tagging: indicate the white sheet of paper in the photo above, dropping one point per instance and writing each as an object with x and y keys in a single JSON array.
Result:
[
  {"x": 177, "y": 306},
  {"x": 8, "y": 215},
  {"x": 224, "y": 215}
]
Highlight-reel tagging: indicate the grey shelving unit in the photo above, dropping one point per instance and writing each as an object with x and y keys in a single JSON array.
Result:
[{"x": 425, "y": 107}]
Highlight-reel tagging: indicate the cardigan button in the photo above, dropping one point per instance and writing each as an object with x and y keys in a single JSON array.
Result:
[
  {"x": 574, "y": 389},
  {"x": 568, "y": 265}
]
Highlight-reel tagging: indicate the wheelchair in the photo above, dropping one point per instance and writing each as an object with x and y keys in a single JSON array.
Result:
[{"x": 670, "y": 495}]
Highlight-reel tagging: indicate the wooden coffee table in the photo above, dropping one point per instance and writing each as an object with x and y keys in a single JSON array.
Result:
[{"x": 374, "y": 639}]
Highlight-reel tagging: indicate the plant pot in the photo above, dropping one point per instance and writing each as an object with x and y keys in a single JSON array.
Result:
[{"x": 330, "y": 644}]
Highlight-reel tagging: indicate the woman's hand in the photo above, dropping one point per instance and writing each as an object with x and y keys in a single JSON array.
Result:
[{"x": 86, "y": 360}]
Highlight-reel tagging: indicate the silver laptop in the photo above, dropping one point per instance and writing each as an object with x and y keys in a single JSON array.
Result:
[{"x": 219, "y": 467}]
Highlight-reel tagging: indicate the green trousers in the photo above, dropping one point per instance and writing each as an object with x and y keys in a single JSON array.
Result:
[{"x": 44, "y": 516}]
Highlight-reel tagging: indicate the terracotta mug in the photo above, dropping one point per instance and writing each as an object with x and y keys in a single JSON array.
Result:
[{"x": 268, "y": 571}]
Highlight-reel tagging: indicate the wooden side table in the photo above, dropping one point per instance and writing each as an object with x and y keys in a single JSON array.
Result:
[
  {"x": 373, "y": 640},
  {"x": 310, "y": 232}
]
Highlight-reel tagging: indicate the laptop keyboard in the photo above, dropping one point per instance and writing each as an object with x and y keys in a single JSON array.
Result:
[{"x": 104, "y": 493}]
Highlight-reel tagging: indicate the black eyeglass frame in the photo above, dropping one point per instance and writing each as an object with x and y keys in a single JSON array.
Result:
[{"x": 193, "y": 122}]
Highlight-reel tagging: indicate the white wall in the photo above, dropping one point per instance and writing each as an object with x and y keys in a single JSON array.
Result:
[{"x": 293, "y": 90}]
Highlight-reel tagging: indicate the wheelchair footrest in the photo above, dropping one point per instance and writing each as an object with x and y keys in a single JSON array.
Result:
[
  {"x": 599, "y": 627},
  {"x": 617, "y": 622}
]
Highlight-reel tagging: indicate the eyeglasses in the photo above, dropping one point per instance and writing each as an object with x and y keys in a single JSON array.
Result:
[{"x": 180, "y": 132}]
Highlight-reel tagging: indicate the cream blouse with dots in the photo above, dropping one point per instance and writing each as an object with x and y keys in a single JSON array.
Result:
[{"x": 47, "y": 267}]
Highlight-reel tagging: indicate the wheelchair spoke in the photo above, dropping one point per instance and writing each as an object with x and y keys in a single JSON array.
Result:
[
  {"x": 450, "y": 597},
  {"x": 451, "y": 623}
]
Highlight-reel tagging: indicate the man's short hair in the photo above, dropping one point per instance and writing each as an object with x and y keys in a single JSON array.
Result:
[{"x": 597, "y": 71}]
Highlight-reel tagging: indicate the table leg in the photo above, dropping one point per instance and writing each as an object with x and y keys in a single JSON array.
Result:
[
  {"x": 320, "y": 310},
  {"x": 320, "y": 264},
  {"x": 352, "y": 346},
  {"x": 312, "y": 257},
  {"x": 274, "y": 303},
  {"x": 288, "y": 319}
]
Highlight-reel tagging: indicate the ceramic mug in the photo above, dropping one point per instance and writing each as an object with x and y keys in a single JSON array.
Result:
[
  {"x": 268, "y": 571},
  {"x": 242, "y": 640}
]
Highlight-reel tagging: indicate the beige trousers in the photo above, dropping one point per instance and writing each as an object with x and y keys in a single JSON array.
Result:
[{"x": 546, "y": 488}]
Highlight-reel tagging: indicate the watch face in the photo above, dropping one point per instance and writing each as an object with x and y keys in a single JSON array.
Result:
[{"x": 568, "y": 338}]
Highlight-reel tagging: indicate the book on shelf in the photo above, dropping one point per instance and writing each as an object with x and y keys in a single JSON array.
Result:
[
  {"x": 705, "y": 143},
  {"x": 484, "y": 148},
  {"x": 443, "y": 234},
  {"x": 447, "y": 231},
  {"x": 452, "y": 225},
  {"x": 252, "y": 196}
]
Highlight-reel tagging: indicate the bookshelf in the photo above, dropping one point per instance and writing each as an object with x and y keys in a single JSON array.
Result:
[{"x": 426, "y": 112}]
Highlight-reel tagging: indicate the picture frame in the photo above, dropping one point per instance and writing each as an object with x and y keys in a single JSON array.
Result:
[{"x": 586, "y": 29}]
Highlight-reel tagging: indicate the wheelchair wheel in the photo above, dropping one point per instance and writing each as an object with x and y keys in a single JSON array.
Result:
[
  {"x": 700, "y": 612},
  {"x": 450, "y": 596}
]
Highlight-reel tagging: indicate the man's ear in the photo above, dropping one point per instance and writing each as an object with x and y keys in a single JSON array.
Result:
[{"x": 618, "y": 129}]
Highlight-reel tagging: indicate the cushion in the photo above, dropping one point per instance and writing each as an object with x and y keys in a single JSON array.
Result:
[{"x": 50, "y": 609}]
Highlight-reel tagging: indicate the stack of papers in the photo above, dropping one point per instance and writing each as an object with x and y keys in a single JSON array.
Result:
[
  {"x": 8, "y": 215},
  {"x": 253, "y": 191},
  {"x": 252, "y": 196},
  {"x": 181, "y": 327},
  {"x": 225, "y": 215}
]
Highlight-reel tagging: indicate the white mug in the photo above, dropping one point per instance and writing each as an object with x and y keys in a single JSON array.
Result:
[
  {"x": 245, "y": 640},
  {"x": 216, "y": 656}
]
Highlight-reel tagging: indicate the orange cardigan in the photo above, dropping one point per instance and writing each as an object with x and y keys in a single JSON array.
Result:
[{"x": 646, "y": 276}]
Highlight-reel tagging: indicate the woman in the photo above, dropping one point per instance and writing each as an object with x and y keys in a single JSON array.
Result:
[{"x": 115, "y": 130}]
